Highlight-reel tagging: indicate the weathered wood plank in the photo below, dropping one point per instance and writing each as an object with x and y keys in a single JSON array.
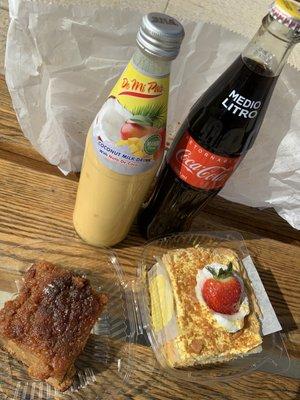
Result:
[
  {"x": 4, "y": 21},
  {"x": 147, "y": 381},
  {"x": 36, "y": 203},
  {"x": 261, "y": 222},
  {"x": 265, "y": 222}
]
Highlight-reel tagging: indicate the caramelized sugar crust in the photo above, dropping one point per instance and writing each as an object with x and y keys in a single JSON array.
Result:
[{"x": 47, "y": 325}]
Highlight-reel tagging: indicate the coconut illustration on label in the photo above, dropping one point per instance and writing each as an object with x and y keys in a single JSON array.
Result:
[
  {"x": 130, "y": 138},
  {"x": 110, "y": 119}
]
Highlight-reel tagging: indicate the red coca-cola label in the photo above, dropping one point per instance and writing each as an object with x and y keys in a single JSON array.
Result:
[{"x": 199, "y": 167}]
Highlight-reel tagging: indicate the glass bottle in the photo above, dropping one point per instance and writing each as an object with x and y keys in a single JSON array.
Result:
[
  {"x": 125, "y": 143},
  {"x": 220, "y": 128}
]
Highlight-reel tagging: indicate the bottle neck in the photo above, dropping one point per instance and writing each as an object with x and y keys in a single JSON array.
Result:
[
  {"x": 271, "y": 45},
  {"x": 150, "y": 65}
]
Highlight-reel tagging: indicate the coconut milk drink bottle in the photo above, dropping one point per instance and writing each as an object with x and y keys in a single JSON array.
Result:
[{"x": 125, "y": 143}]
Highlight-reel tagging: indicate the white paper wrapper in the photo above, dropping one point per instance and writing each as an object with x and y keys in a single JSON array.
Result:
[
  {"x": 269, "y": 320},
  {"x": 62, "y": 61}
]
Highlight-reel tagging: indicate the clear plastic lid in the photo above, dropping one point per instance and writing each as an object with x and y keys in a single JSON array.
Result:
[
  {"x": 118, "y": 356},
  {"x": 109, "y": 361},
  {"x": 162, "y": 316}
]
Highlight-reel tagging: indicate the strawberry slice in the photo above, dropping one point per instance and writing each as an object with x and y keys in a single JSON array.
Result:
[{"x": 223, "y": 292}]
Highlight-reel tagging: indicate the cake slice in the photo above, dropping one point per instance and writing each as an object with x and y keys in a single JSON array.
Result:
[
  {"x": 200, "y": 335},
  {"x": 47, "y": 325}
]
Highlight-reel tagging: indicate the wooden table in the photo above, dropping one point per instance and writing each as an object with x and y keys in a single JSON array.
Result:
[{"x": 36, "y": 202}]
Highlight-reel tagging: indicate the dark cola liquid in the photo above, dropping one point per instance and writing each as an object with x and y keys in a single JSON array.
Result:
[{"x": 225, "y": 121}]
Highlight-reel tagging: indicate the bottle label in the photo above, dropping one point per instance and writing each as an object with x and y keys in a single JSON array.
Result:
[
  {"x": 129, "y": 130},
  {"x": 199, "y": 167}
]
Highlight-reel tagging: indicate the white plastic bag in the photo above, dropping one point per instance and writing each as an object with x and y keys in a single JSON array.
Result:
[{"x": 62, "y": 61}]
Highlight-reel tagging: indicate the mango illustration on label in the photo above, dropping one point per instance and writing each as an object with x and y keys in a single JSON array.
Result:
[{"x": 129, "y": 131}]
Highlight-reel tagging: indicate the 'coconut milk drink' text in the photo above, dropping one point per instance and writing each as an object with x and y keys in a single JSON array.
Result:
[{"x": 125, "y": 143}]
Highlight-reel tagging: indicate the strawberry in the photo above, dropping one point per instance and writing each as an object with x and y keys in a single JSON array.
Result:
[{"x": 222, "y": 293}]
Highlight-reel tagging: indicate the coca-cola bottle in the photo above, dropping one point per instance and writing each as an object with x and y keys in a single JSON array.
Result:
[{"x": 220, "y": 128}]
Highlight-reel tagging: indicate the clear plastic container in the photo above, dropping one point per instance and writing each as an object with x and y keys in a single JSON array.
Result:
[
  {"x": 118, "y": 356},
  {"x": 273, "y": 348},
  {"x": 108, "y": 354}
]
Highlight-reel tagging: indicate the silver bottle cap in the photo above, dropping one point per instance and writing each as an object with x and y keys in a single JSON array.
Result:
[{"x": 160, "y": 35}]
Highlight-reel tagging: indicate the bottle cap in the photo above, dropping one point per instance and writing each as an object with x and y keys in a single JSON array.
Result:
[
  {"x": 287, "y": 12},
  {"x": 160, "y": 35}
]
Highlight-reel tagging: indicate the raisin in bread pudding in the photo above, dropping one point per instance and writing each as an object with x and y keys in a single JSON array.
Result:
[
  {"x": 214, "y": 307},
  {"x": 47, "y": 325}
]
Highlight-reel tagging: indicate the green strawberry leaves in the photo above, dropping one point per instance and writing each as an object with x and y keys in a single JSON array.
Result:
[{"x": 222, "y": 273}]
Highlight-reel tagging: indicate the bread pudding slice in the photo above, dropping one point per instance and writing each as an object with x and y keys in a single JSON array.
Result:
[{"x": 47, "y": 325}]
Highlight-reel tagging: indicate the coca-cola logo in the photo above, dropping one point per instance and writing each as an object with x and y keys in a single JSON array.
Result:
[
  {"x": 213, "y": 173},
  {"x": 200, "y": 167}
]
